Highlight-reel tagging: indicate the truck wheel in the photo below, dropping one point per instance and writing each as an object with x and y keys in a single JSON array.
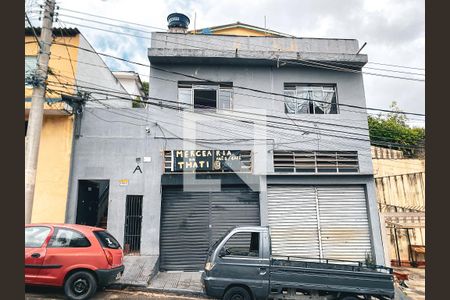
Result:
[
  {"x": 80, "y": 285},
  {"x": 237, "y": 293}
]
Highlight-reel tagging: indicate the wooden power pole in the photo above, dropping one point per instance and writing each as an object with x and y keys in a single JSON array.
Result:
[{"x": 37, "y": 108}]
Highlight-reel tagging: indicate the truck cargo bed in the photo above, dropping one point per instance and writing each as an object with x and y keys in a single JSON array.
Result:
[{"x": 343, "y": 277}]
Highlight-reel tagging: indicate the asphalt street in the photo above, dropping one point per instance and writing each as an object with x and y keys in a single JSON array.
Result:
[{"x": 37, "y": 293}]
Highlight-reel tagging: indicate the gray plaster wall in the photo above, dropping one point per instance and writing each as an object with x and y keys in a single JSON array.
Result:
[
  {"x": 93, "y": 75},
  {"x": 261, "y": 43},
  {"x": 112, "y": 139}
]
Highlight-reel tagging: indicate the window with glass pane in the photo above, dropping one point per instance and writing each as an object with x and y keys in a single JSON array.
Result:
[
  {"x": 67, "y": 238},
  {"x": 242, "y": 244},
  {"x": 205, "y": 95},
  {"x": 185, "y": 97},
  {"x": 30, "y": 66},
  {"x": 310, "y": 99},
  {"x": 35, "y": 236},
  {"x": 225, "y": 98}
]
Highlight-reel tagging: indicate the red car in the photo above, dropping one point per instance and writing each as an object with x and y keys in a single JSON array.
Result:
[{"x": 76, "y": 257}]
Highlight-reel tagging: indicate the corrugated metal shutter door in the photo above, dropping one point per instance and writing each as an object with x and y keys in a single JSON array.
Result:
[
  {"x": 344, "y": 222},
  {"x": 184, "y": 230},
  {"x": 186, "y": 218},
  {"x": 293, "y": 221},
  {"x": 231, "y": 207},
  {"x": 297, "y": 212}
]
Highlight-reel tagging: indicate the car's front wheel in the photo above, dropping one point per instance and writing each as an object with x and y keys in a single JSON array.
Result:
[{"x": 80, "y": 285}]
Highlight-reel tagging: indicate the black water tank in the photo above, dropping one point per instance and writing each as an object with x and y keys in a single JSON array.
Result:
[{"x": 178, "y": 20}]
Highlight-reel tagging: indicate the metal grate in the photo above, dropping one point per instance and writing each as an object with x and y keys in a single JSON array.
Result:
[
  {"x": 316, "y": 161},
  {"x": 133, "y": 220}
]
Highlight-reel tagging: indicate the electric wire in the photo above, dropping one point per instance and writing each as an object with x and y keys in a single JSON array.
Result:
[
  {"x": 284, "y": 128},
  {"x": 223, "y": 40},
  {"x": 303, "y": 62},
  {"x": 300, "y": 127},
  {"x": 241, "y": 87},
  {"x": 283, "y": 118}
]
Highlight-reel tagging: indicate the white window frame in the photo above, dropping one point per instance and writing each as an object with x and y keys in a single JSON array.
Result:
[
  {"x": 194, "y": 87},
  {"x": 298, "y": 88}
]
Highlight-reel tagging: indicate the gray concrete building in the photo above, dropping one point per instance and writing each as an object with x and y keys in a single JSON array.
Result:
[{"x": 238, "y": 131}]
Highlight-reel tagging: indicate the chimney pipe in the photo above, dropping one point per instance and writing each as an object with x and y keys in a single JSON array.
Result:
[{"x": 177, "y": 23}]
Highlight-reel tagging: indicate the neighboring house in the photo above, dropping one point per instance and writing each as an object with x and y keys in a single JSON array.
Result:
[
  {"x": 211, "y": 152},
  {"x": 131, "y": 81},
  {"x": 239, "y": 29},
  {"x": 401, "y": 198},
  {"x": 71, "y": 70}
]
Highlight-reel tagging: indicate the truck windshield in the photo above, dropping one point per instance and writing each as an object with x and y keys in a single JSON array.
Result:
[{"x": 213, "y": 246}]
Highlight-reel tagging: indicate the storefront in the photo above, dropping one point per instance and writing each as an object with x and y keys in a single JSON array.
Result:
[
  {"x": 195, "y": 215},
  {"x": 319, "y": 221}
]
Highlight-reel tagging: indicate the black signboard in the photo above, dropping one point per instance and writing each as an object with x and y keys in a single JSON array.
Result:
[{"x": 206, "y": 160}]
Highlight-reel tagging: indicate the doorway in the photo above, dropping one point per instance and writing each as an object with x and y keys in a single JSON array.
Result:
[
  {"x": 133, "y": 222},
  {"x": 92, "y": 208}
]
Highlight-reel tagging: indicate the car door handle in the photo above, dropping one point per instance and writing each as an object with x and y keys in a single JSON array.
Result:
[
  {"x": 35, "y": 255},
  {"x": 262, "y": 271}
]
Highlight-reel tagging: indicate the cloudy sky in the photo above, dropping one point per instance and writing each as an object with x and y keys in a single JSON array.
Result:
[{"x": 394, "y": 32}]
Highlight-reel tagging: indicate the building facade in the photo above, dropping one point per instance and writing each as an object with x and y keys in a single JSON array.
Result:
[
  {"x": 238, "y": 130},
  {"x": 71, "y": 70}
]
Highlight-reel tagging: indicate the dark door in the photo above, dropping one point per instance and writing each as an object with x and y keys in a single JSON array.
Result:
[
  {"x": 88, "y": 201},
  {"x": 133, "y": 221},
  {"x": 192, "y": 221}
]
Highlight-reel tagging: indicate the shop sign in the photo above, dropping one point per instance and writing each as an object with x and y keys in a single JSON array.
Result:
[{"x": 206, "y": 161}]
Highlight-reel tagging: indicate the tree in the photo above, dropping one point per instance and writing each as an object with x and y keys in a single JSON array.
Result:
[{"x": 393, "y": 131}]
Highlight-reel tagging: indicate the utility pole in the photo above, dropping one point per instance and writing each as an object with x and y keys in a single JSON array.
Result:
[{"x": 37, "y": 108}]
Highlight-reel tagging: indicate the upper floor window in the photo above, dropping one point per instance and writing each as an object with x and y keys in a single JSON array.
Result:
[
  {"x": 30, "y": 67},
  {"x": 310, "y": 99},
  {"x": 205, "y": 95}
]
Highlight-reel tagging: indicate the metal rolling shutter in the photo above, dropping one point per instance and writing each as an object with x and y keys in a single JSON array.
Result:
[
  {"x": 297, "y": 212},
  {"x": 184, "y": 230},
  {"x": 293, "y": 221},
  {"x": 231, "y": 207},
  {"x": 344, "y": 222},
  {"x": 192, "y": 221}
]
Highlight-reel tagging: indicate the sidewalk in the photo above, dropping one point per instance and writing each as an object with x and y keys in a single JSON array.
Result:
[
  {"x": 139, "y": 270},
  {"x": 186, "y": 282},
  {"x": 416, "y": 282}
]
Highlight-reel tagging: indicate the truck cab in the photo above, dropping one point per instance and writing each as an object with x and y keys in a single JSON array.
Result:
[
  {"x": 240, "y": 259},
  {"x": 240, "y": 266}
]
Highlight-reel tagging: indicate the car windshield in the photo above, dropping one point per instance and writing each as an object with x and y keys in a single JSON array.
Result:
[
  {"x": 107, "y": 240},
  {"x": 35, "y": 236}
]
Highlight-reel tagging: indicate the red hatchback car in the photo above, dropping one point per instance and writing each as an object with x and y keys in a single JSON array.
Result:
[{"x": 76, "y": 257}]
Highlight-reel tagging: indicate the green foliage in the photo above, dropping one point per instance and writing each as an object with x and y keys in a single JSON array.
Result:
[
  {"x": 137, "y": 103},
  {"x": 145, "y": 87},
  {"x": 393, "y": 129}
]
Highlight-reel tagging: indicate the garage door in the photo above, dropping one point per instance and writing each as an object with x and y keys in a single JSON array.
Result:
[
  {"x": 319, "y": 221},
  {"x": 192, "y": 221}
]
